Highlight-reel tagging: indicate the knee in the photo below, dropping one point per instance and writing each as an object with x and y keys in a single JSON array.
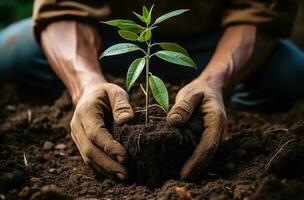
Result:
[
  {"x": 278, "y": 83},
  {"x": 17, "y": 46},
  {"x": 290, "y": 67},
  {"x": 285, "y": 70}
]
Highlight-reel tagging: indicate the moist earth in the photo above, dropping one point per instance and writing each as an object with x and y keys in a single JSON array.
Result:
[
  {"x": 157, "y": 151},
  {"x": 261, "y": 156}
]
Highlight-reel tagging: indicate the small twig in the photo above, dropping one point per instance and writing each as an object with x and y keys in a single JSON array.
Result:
[
  {"x": 139, "y": 107},
  {"x": 156, "y": 105},
  {"x": 211, "y": 174},
  {"x": 276, "y": 129},
  {"x": 29, "y": 116},
  {"x": 142, "y": 88},
  {"x": 138, "y": 144},
  {"x": 155, "y": 117},
  {"x": 140, "y": 110},
  {"x": 181, "y": 139},
  {"x": 192, "y": 140},
  {"x": 277, "y": 153},
  {"x": 87, "y": 177},
  {"x": 25, "y": 159}
]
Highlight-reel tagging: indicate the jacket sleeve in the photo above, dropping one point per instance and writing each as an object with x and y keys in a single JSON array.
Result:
[
  {"x": 274, "y": 16},
  {"x": 48, "y": 11}
]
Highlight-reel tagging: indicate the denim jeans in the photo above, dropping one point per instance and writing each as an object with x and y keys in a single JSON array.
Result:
[{"x": 278, "y": 83}]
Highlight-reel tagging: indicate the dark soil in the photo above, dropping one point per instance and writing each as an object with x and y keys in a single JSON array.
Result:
[
  {"x": 157, "y": 151},
  {"x": 261, "y": 157}
]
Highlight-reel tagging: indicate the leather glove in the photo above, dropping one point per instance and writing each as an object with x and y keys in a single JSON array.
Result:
[
  {"x": 96, "y": 145},
  {"x": 209, "y": 101}
]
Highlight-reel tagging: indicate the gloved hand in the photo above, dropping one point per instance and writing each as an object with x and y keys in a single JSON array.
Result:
[
  {"x": 96, "y": 145},
  {"x": 209, "y": 101}
]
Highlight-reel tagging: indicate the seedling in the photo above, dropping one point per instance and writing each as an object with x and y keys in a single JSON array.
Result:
[{"x": 171, "y": 52}]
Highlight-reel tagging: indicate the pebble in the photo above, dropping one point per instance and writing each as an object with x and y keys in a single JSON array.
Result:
[
  {"x": 47, "y": 157},
  {"x": 61, "y": 153},
  {"x": 52, "y": 170},
  {"x": 48, "y": 145},
  {"x": 60, "y": 146},
  {"x": 11, "y": 108},
  {"x": 35, "y": 179}
]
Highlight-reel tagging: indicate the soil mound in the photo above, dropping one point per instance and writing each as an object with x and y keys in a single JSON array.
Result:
[{"x": 157, "y": 151}]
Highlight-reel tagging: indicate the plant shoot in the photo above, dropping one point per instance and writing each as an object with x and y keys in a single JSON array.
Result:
[{"x": 171, "y": 52}]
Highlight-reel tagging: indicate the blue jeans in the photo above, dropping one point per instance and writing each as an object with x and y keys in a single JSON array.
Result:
[{"x": 278, "y": 83}]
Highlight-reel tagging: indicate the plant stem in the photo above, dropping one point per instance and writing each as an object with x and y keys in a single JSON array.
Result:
[{"x": 147, "y": 83}]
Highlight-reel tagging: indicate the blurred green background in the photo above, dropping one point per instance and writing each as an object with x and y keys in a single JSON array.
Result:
[{"x": 13, "y": 10}]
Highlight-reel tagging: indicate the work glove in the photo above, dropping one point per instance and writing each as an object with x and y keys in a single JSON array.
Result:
[
  {"x": 88, "y": 128},
  {"x": 200, "y": 96}
]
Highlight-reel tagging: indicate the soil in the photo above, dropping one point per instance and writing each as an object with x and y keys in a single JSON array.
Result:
[
  {"x": 261, "y": 157},
  {"x": 157, "y": 151}
]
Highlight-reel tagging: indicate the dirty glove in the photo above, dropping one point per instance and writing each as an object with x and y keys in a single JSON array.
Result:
[
  {"x": 96, "y": 145},
  {"x": 199, "y": 95}
]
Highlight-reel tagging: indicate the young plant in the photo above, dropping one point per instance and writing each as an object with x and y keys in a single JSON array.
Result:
[{"x": 171, "y": 52}]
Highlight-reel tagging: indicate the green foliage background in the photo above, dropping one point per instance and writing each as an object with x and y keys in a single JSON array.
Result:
[{"x": 14, "y": 10}]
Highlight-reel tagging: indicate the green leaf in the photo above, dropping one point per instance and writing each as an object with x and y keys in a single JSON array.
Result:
[
  {"x": 134, "y": 71},
  {"x": 176, "y": 58},
  {"x": 125, "y": 25},
  {"x": 169, "y": 15},
  {"x": 145, "y": 35},
  {"x": 128, "y": 35},
  {"x": 141, "y": 37},
  {"x": 148, "y": 34},
  {"x": 169, "y": 46},
  {"x": 118, "y": 22},
  {"x": 140, "y": 17},
  {"x": 145, "y": 12},
  {"x": 135, "y": 28},
  {"x": 159, "y": 92},
  {"x": 149, "y": 16},
  {"x": 119, "y": 49}
]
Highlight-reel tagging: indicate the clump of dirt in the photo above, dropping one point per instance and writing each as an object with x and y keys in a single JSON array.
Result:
[
  {"x": 157, "y": 151},
  {"x": 273, "y": 188},
  {"x": 288, "y": 160},
  {"x": 50, "y": 192}
]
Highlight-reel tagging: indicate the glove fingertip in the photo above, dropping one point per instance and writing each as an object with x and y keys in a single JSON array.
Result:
[
  {"x": 191, "y": 170},
  {"x": 124, "y": 117},
  {"x": 175, "y": 119},
  {"x": 122, "y": 176},
  {"x": 184, "y": 174},
  {"x": 121, "y": 159}
]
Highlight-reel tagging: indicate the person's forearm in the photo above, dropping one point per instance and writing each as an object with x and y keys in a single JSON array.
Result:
[
  {"x": 239, "y": 52},
  {"x": 71, "y": 49}
]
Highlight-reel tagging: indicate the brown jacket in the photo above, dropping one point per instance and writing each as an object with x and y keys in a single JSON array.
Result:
[{"x": 274, "y": 16}]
